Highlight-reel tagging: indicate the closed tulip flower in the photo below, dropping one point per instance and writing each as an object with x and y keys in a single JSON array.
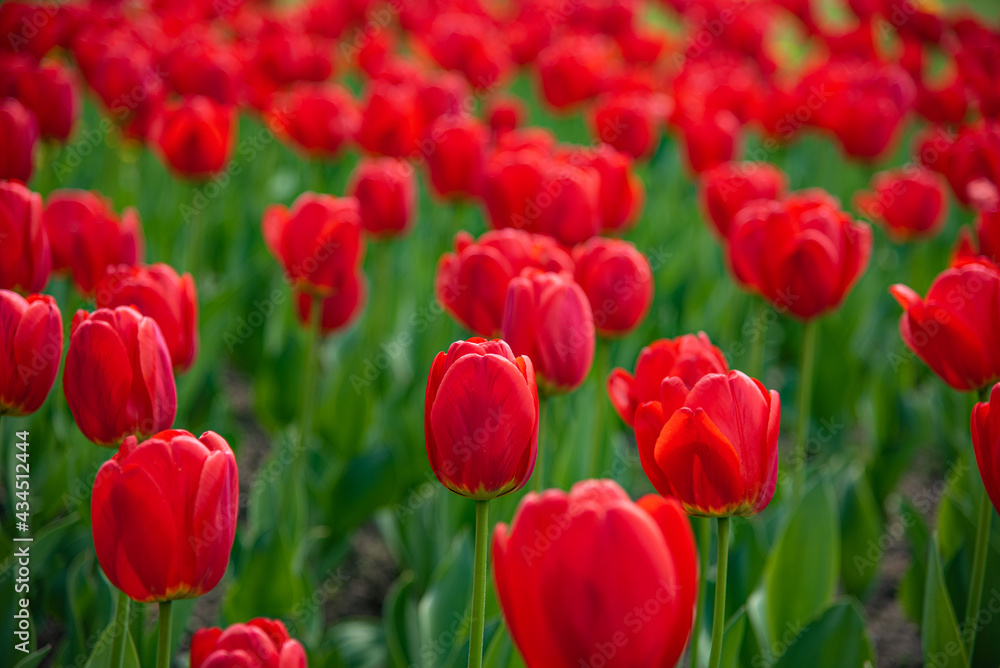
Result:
[
  {"x": 986, "y": 443},
  {"x": 31, "y": 343},
  {"x": 618, "y": 282},
  {"x": 320, "y": 118},
  {"x": 955, "y": 329},
  {"x": 118, "y": 379},
  {"x": 340, "y": 310},
  {"x": 50, "y": 94},
  {"x": 195, "y": 136},
  {"x": 710, "y": 140},
  {"x": 549, "y": 320},
  {"x": 386, "y": 191},
  {"x": 260, "y": 643},
  {"x": 803, "y": 254},
  {"x": 620, "y": 195},
  {"x": 512, "y": 182},
  {"x": 574, "y": 69},
  {"x": 470, "y": 44},
  {"x": 18, "y": 136},
  {"x": 25, "y": 258},
  {"x": 481, "y": 419},
  {"x": 456, "y": 159},
  {"x": 318, "y": 241},
  {"x": 727, "y": 188},
  {"x": 713, "y": 447},
  {"x": 910, "y": 203},
  {"x": 391, "y": 121},
  {"x": 574, "y": 210},
  {"x": 164, "y": 515},
  {"x": 471, "y": 283},
  {"x": 590, "y": 578},
  {"x": 631, "y": 122},
  {"x": 87, "y": 236},
  {"x": 688, "y": 357},
  {"x": 159, "y": 292}
]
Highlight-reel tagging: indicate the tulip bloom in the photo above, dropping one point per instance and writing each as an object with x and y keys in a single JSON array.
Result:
[
  {"x": 727, "y": 188},
  {"x": 954, "y": 330},
  {"x": 456, "y": 160},
  {"x": 158, "y": 292},
  {"x": 18, "y": 136},
  {"x": 386, "y": 191},
  {"x": 50, "y": 94},
  {"x": 321, "y": 118},
  {"x": 631, "y": 122},
  {"x": 25, "y": 258},
  {"x": 986, "y": 442},
  {"x": 574, "y": 69},
  {"x": 340, "y": 309},
  {"x": 195, "y": 136},
  {"x": 471, "y": 283},
  {"x": 590, "y": 578},
  {"x": 31, "y": 343},
  {"x": 505, "y": 113},
  {"x": 618, "y": 282},
  {"x": 391, "y": 122},
  {"x": 710, "y": 140},
  {"x": 802, "y": 254},
  {"x": 164, "y": 515},
  {"x": 118, "y": 381},
  {"x": 909, "y": 203},
  {"x": 262, "y": 643},
  {"x": 481, "y": 419},
  {"x": 318, "y": 241},
  {"x": 620, "y": 195},
  {"x": 470, "y": 44},
  {"x": 688, "y": 357},
  {"x": 87, "y": 236},
  {"x": 548, "y": 319},
  {"x": 987, "y": 241},
  {"x": 713, "y": 447}
]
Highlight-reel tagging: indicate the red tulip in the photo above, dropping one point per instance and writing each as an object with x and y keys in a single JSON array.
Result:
[
  {"x": 631, "y": 122},
  {"x": 391, "y": 122},
  {"x": 803, "y": 254},
  {"x": 30, "y": 27},
  {"x": 618, "y": 282},
  {"x": 205, "y": 68},
  {"x": 713, "y": 447},
  {"x": 456, "y": 156},
  {"x": 955, "y": 329},
  {"x": 470, "y": 44},
  {"x": 50, "y": 94},
  {"x": 909, "y": 202},
  {"x": 505, "y": 113},
  {"x": 711, "y": 140},
  {"x": 158, "y": 292},
  {"x": 25, "y": 258},
  {"x": 986, "y": 443},
  {"x": 321, "y": 118},
  {"x": 481, "y": 419},
  {"x": 987, "y": 246},
  {"x": 688, "y": 357},
  {"x": 574, "y": 69},
  {"x": 18, "y": 136},
  {"x": 31, "y": 344},
  {"x": 196, "y": 136},
  {"x": 725, "y": 189},
  {"x": 471, "y": 283},
  {"x": 442, "y": 94},
  {"x": 548, "y": 319},
  {"x": 591, "y": 579},
  {"x": 973, "y": 156},
  {"x": 386, "y": 191},
  {"x": 260, "y": 643},
  {"x": 339, "y": 309},
  {"x": 87, "y": 236},
  {"x": 318, "y": 241},
  {"x": 118, "y": 380},
  {"x": 126, "y": 78},
  {"x": 569, "y": 205},
  {"x": 164, "y": 515},
  {"x": 621, "y": 194}
]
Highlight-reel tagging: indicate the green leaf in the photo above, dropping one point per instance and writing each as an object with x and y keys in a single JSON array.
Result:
[
  {"x": 365, "y": 484},
  {"x": 359, "y": 643},
  {"x": 911, "y": 588},
  {"x": 942, "y": 642},
  {"x": 266, "y": 586},
  {"x": 399, "y": 616},
  {"x": 33, "y": 659},
  {"x": 100, "y": 657},
  {"x": 861, "y": 535},
  {"x": 834, "y": 640},
  {"x": 732, "y": 639},
  {"x": 444, "y": 622}
]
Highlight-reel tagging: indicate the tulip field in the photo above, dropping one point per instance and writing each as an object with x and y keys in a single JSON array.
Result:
[{"x": 500, "y": 334}]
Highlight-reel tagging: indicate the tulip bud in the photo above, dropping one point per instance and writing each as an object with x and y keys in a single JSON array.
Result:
[
  {"x": 164, "y": 515},
  {"x": 118, "y": 381},
  {"x": 25, "y": 258},
  {"x": 573, "y": 569},
  {"x": 713, "y": 447},
  {"x": 481, "y": 419},
  {"x": 505, "y": 113},
  {"x": 262, "y": 643},
  {"x": 195, "y": 136},
  {"x": 457, "y": 157},
  {"x": 909, "y": 203},
  {"x": 548, "y": 319},
  {"x": 386, "y": 191},
  {"x": 49, "y": 92},
  {"x": 339, "y": 309},
  {"x": 31, "y": 344},
  {"x": 18, "y": 136},
  {"x": 727, "y": 188},
  {"x": 620, "y": 195},
  {"x": 986, "y": 443},
  {"x": 158, "y": 292},
  {"x": 618, "y": 282}
]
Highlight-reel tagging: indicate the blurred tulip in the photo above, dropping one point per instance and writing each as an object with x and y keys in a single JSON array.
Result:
[
  {"x": 18, "y": 137},
  {"x": 340, "y": 310},
  {"x": 260, "y": 643},
  {"x": 549, "y": 320},
  {"x": 470, "y": 44},
  {"x": 456, "y": 157},
  {"x": 481, "y": 419},
  {"x": 803, "y": 254},
  {"x": 964, "y": 160},
  {"x": 713, "y": 446},
  {"x": 25, "y": 258},
  {"x": 621, "y": 194},
  {"x": 207, "y": 69},
  {"x": 164, "y": 515},
  {"x": 590, "y": 578},
  {"x": 987, "y": 241},
  {"x": 118, "y": 381},
  {"x": 31, "y": 342},
  {"x": 442, "y": 94},
  {"x": 196, "y": 136},
  {"x": 631, "y": 122},
  {"x": 711, "y": 140},
  {"x": 954, "y": 330},
  {"x": 29, "y": 26},
  {"x": 50, "y": 94},
  {"x": 725, "y": 189},
  {"x": 471, "y": 283},
  {"x": 505, "y": 113},
  {"x": 391, "y": 122},
  {"x": 157, "y": 291},
  {"x": 618, "y": 282},
  {"x": 574, "y": 69},
  {"x": 910, "y": 203},
  {"x": 127, "y": 80},
  {"x": 87, "y": 236},
  {"x": 986, "y": 442},
  {"x": 688, "y": 357},
  {"x": 321, "y": 118},
  {"x": 386, "y": 191}
]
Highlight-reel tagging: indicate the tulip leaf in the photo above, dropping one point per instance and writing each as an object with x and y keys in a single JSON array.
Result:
[
  {"x": 862, "y": 535},
  {"x": 399, "y": 616},
  {"x": 34, "y": 659},
  {"x": 266, "y": 585},
  {"x": 100, "y": 657},
  {"x": 911, "y": 588},
  {"x": 942, "y": 641},
  {"x": 444, "y": 609},
  {"x": 836, "y": 638},
  {"x": 359, "y": 643},
  {"x": 732, "y": 639}
]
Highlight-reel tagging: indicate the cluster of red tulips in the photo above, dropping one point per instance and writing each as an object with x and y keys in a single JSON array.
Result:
[{"x": 542, "y": 291}]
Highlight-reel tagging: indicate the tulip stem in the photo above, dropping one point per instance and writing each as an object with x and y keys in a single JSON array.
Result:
[
  {"x": 479, "y": 584},
  {"x": 119, "y": 630},
  {"x": 810, "y": 337},
  {"x": 704, "y": 544},
  {"x": 719, "y": 613},
  {"x": 543, "y": 445},
  {"x": 755, "y": 365},
  {"x": 599, "y": 442},
  {"x": 309, "y": 373},
  {"x": 163, "y": 648},
  {"x": 978, "y": 573}
]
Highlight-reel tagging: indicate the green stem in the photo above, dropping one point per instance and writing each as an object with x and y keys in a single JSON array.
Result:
[
  {"x": 598, "y": 445},
  {"x": 755, "y": 365},
  {"x": 309, "y": 373},
  {"x": 543, "y": 446},
  {"x": 719, "y": 614},
  {"x": 163, "y": 648},
  {"x": 120, "y": 630},
  {"x": 810, "y": 337},
  {"x": 479, "y": 584},
  {"x": 978, "y": 573},
  {"x": 703, "y": 547}
]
